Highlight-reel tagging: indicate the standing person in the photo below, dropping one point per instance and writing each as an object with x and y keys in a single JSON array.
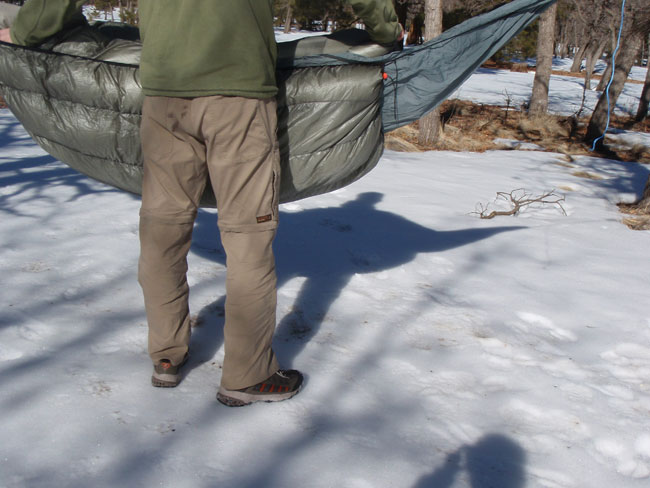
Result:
[{"x": 208, "y": 74}]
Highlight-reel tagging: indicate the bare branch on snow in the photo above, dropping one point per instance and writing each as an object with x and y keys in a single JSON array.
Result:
[{"x": 518, "y": 199}]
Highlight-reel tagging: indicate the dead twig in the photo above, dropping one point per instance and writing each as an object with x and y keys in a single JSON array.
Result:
[
  {"x": 519, "y": 199},
  {"x": 508, "y": 103}
]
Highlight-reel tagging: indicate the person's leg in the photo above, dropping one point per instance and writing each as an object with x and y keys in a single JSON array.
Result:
[
  {"x": 174, "y": 178},
  {"x": 244, "y": 166}
]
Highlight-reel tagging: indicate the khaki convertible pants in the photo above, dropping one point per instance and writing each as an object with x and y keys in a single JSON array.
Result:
[{"x": 232, "y": 141}]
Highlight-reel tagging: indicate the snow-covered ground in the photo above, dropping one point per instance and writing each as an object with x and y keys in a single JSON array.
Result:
[
  {"x": 637, "y": 73},
  {"x": 440, "y": 350},
  {"x": 503, "y": 87}
]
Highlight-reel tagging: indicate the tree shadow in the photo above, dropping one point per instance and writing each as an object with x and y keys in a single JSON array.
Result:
[
  {"x": 494, "y": 461},
  {"x": 32, "y": 175},
  {"x": 616, "y": 175},
  {"x": 325, "y": 247}
]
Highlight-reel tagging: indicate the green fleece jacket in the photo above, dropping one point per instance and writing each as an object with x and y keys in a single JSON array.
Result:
[{"x": 197, "y": 48}]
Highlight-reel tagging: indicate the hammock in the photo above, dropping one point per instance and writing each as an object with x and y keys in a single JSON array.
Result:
[{"x": 78, "y": 95}]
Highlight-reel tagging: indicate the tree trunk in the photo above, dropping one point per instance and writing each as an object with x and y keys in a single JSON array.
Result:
[
  {"x": 630, "y": 46},
  {"x": 642, "y": 112},
  {"x": 288, "y": 18},
  {"x": 577, "y": 60},
  {"x": 430, "y": 123},
  {"x": 561, "y": 47},
  {"x": 545, "y": 41},
  {"x": 607, "y": 74},
  {"x": 591, "y": 58}
]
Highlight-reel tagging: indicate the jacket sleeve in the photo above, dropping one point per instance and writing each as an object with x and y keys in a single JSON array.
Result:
[
  {"x": 380, "y": 19},
  {"x": 39, "y": 19}
]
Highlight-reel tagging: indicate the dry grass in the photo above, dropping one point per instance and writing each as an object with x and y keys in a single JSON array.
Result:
[
  {"x": 587, "y": 175},
  {"x": 519, "y": 67},
  {"x": 640, "y": 211},
  {"x": 641, "y": 222},
  {"x": 473, "y": 127}
]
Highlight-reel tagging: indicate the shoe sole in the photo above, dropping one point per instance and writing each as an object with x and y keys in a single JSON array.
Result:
[
  {"x": 233, "y": 398},
  {"x": 165, "y": 380}
]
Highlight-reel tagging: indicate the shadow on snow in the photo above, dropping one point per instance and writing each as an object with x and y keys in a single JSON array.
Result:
[
  {"x": 494, "y": 461},
  {"x": 326, "y": 247}
]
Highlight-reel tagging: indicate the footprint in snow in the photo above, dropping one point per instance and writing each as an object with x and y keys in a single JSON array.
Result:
[
  {"x": 539, "y": 324},
  {"x": 35, "y": 267},
  {"x": 577, "y": 393},
  {"x": 626, "y": 459},
  {"x": 9, "y": 353},
  {"x": 98, "y": 388},
  {"x": 36, "y": 331},
  {"x": 629, "y": 363},
  {"x": 560, "y": 424}
]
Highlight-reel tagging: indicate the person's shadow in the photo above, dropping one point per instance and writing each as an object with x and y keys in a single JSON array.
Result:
[
  {"x": 326, "y": 246},
  {"x": 494, "y": 461}
]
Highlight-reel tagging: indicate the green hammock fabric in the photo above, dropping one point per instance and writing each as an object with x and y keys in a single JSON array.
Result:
[{"x": 78, "y": 95}]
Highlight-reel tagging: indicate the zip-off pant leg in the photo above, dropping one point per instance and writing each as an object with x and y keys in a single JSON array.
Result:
[
  {"x": 244, "y": 166},
  {"x": 233, "y": 140},
  {"x": 174, "y": 178}
]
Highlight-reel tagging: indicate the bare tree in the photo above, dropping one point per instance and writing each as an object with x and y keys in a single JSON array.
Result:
[
  {"x": 642, "y": 111},
  {"x": 597, "y": 20},
  {"x": 129, "y": 11},
  {"x": 597, "y": 124},
  {"x": 545, "y": 42},
  {"x": 430, "y": 123},
  {"x": 565, "y": 26},
  {"x": 288, "y": 17},
  {"x": 635, "y": 29}
]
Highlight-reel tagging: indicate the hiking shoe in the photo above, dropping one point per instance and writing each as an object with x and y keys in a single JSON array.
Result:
[
  {"x": 281, "y": 386},
  {"x": 166, "y": 375}
]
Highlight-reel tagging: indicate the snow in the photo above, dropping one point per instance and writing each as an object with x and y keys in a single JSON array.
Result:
[
  {"x": 515, "y": 144},
  {"x": 294, "y": 35},
  {"x": 93, "y": 13},
  {"x": 637, "y": 73},
  {"x": 503, "y": 87},
  {"x": 440, "y": 350},
  {"x": 628, "y": 138}
]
